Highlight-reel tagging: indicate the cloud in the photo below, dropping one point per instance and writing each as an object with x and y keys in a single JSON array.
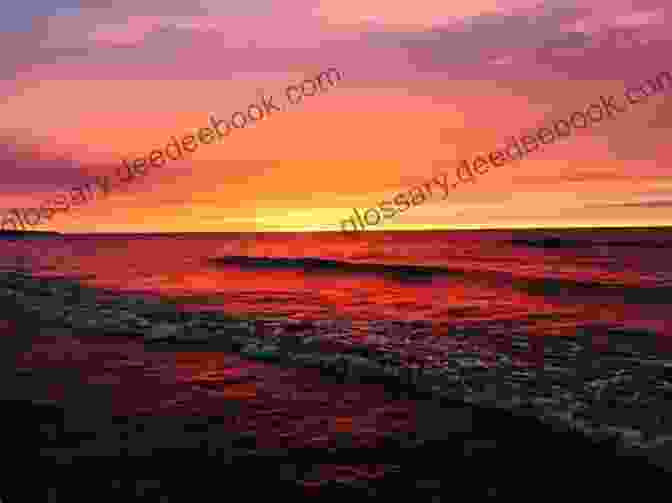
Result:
[
  {"x": 421, "y": 13},
  {"x": 167, "y": 39},
  {"x": 622, "y": 16},
  {"x": 504, "y": 60},
  {"x": 538, "y": 39},
  {"x": 641, "y": 18},
  {"x": 660, "y": 203},
  {"x": 574, "y": 177},
  {"x": 464, "y": 45},
  {"x": 31, "y": 171}
]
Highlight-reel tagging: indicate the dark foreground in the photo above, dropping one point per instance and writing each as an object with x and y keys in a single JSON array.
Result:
[
  {"x": 162, "y": 459},
  {"x": 78, "y": 446}
]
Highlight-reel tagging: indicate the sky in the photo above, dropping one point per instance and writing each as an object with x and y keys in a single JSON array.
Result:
[{"x": 86, "y": 84}]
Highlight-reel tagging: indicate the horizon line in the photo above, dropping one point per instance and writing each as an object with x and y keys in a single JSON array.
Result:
[{"x": 451, "y": 229}]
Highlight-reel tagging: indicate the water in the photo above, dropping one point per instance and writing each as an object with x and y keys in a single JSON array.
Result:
[
  {"x": 484, "y": 278},
  {"x": 439, "y": 296}
]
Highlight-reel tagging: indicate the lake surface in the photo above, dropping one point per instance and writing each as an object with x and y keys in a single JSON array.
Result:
[{"x": 481, "y": 299}]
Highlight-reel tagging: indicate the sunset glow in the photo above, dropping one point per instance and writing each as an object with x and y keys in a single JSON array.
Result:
[{"x": 422, "y": 84}]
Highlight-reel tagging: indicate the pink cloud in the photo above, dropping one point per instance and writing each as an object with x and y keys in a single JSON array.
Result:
[
  {"x": 132, "y": 32},
  {"x": 420, "y": 13}
]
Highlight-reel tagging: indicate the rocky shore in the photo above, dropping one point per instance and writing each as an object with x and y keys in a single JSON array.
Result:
[{"x": 618, "y": 394}]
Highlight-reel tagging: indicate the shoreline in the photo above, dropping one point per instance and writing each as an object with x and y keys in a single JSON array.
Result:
[
  {"x": 475, "y": 445},
  {"x": 510, "y": 456}
]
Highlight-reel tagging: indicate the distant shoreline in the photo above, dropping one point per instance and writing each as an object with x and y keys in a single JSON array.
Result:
[
  {"x": 653, "y": 228},
  {"x": 29, "y": 234}
]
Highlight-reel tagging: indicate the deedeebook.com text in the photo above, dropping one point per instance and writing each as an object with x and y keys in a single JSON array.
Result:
[
  {"x": 515, "y": 150},
  {"x": 174, "y": 150}
]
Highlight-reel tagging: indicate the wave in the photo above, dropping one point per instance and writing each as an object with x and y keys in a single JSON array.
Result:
[
  {"x": 314, "y": 264},
  {"x": 542, "y": 286}
]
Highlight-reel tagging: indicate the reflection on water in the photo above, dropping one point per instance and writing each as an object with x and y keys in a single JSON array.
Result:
[
  {"x": 478, "y": 277},
  {"x": 463, "y": 304}
]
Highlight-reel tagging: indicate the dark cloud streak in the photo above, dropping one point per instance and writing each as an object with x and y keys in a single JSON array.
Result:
[{"x": 662, "y": 203}]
